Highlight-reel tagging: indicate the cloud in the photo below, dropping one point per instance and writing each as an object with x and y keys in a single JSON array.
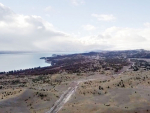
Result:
[
  {"x": 147, "y": 24},
  {"x": 118, "y": 38},
  {"x": 77, "y": 2},
  {"x": 33, "y": 33},
  {"x": 127, "y": 38},
  {"x": 104, "y": 17},
  {"x": 48, "y": 9},
  {"x": 89, "y": 27},
  {"x": 20, "y": 32}
]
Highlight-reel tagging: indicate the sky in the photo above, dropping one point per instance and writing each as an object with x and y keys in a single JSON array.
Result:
[{"x": 74, "y": 25}]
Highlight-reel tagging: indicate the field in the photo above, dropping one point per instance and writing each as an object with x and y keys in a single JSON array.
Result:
[
  {"x": 80, "y": 83},
  {"x": 35, "y": 94},
  {"x": 127, "y": 93}
]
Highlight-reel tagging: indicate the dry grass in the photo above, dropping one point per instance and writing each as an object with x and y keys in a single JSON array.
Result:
[
  {"x": 33, "y": 94},
  {"x": 127, "y": 93}
]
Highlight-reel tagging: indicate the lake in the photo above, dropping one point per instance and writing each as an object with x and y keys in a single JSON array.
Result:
[{"x": 18, "y": 61}]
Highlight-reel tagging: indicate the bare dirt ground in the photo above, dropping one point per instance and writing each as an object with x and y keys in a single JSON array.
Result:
[
  {"x": 46, "y": 94},
  {"x": 127, "y": 93},
  {"x": 74, "y": 85},
  {"x": 71, "y": 90}
]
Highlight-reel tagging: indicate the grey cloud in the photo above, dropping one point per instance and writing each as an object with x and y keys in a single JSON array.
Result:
[
  {"x": 31, "y": 33},
  {"x": 5, "y": 13}
]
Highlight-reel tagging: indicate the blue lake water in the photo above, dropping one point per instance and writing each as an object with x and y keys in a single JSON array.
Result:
[
  {"x": 18, "y": 61},
  {"x": 9, "y": 62}
]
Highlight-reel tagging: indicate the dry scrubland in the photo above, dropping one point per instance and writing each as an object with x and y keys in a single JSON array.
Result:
[
  {"x": 101, "y": 90},
  {"x": 35, "y": 94},
  {"x": 127, "y": 93}
]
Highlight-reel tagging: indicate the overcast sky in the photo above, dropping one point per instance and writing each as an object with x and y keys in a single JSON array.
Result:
[{"x": 74, "y": 25}]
